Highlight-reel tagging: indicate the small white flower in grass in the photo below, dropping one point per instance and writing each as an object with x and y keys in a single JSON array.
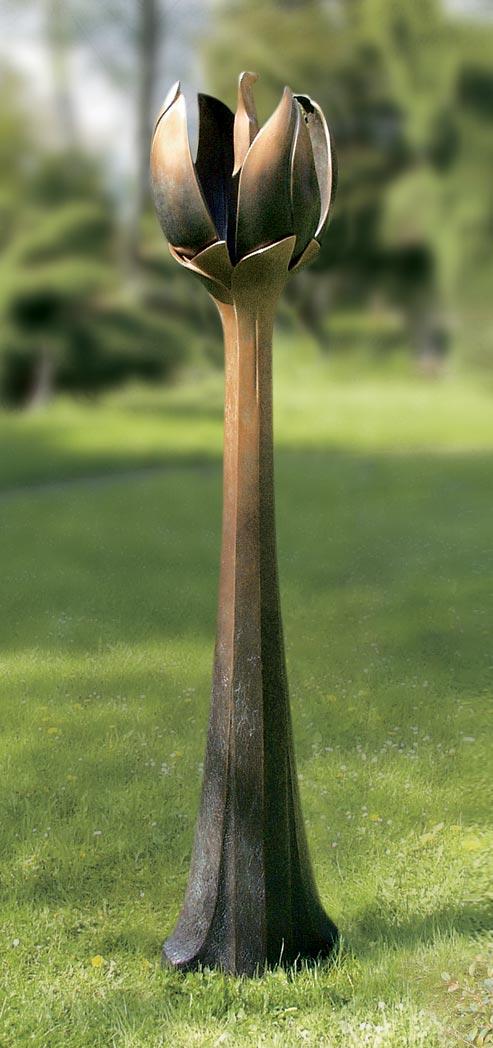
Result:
[{"x": 16, "y": 942}]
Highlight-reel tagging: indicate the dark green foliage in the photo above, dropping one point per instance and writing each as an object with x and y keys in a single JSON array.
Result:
[
  {"x": 120, "y": 342},
  {"x": 66, "y": 322},
  {"x": 407, "y": 90},
  {"x": 475, "y": 91}
]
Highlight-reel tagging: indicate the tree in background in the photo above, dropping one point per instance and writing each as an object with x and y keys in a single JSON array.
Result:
[
  {"x": 73, "y": 313},
  {"x": 67, "y": 320},
  {"x": 389, "y": 76},
  {"x": 86, "y": 295},
  {"x": 124, "y": 39},
  {"x": 147, "y": 40}
]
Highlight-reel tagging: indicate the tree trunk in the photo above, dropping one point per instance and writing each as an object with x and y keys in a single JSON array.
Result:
[
  {"x": 58, "y": 36},
  {"x": 147, "y": 49},
  {"x": 41, "y": 390}
]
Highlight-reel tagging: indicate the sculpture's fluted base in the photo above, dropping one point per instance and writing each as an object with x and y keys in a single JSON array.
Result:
[
  {"x": 321, "y": 948},
  {"x": 251, "y": 901}
]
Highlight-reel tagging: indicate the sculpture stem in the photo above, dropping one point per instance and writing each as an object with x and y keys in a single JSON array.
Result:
[{"x": 251, "y": 898}]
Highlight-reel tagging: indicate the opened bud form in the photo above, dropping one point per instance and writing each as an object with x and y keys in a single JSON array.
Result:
[
  {"x": 250, "y": 208},
  {"x": 247, "y": 188}
]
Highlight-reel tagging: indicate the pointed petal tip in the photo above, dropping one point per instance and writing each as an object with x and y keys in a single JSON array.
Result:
[
  {"x": 170, "y": 99},
  {"x": 174, "y": 90},
  {"x": 246, "y": 78},
  {"x": 246, "y": 122},
  {"x": 305, "y": 100}
]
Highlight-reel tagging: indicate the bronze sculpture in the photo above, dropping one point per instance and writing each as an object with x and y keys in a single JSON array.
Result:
[{"x": 251, "y": 209}]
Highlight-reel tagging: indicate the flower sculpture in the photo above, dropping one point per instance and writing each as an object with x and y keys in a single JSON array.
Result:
[
  {"x": 251, "y": 209},
  {"x": 248, "y": 188}
]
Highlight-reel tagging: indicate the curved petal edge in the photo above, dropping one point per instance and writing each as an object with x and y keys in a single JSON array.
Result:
[
  {"x": 181, "y": 208},
  {"x": 322, "y": 155},
  {"x": 246, "y": 122},
  {"x": 264, "y": 211}
]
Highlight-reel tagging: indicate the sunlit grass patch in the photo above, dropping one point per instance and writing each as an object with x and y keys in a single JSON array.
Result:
[
  {"x": 318, "y": 404},
  {"x": 107, "y": 632}
]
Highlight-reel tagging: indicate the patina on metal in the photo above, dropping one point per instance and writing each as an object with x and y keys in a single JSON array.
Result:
[{"x": 249, "y": 210}]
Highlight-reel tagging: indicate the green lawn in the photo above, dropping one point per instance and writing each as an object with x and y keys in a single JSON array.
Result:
[{"x": 108, "y": 593}]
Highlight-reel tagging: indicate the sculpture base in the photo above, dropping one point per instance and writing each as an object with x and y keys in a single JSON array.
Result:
[{"x": 307, "y": 954}]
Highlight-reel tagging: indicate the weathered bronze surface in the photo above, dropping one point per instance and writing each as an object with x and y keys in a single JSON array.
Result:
[{"x": 250, "y": 210}]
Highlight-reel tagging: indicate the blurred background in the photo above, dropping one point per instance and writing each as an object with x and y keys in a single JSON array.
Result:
[
  {"x": 89, "y": 298},
  {"x": 111, "y": 389}
]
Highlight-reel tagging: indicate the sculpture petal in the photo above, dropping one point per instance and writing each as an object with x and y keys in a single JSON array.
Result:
[
  {"x": 267, "y": 266},
  {"x": 264, "y": 213},
  {"x": 323, "y": 157},
  {"x": 308, "y": 255},
  {"x": 246, "y": 123},
  {"x": 214, "y": 163},
  {"x": 180, "y": 205},
  {"x": 305, "y": 194},
  {"x": 215, "y": 287},
  {"x": 215, "y": 263},
  {"x": 171, "y": 97}
]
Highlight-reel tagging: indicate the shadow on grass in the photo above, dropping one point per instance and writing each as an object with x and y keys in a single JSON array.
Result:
[
  {"x": 394, "y": 550},
  {"x": 385, "y": 575},
  {"x": 374, "y": 927}
]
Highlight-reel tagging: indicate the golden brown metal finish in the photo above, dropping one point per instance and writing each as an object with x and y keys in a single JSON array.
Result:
[
  {"x": 246, "y": 123},
  {"x": 251, "y": 897},
  {"x": 177, "y": 193}
]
